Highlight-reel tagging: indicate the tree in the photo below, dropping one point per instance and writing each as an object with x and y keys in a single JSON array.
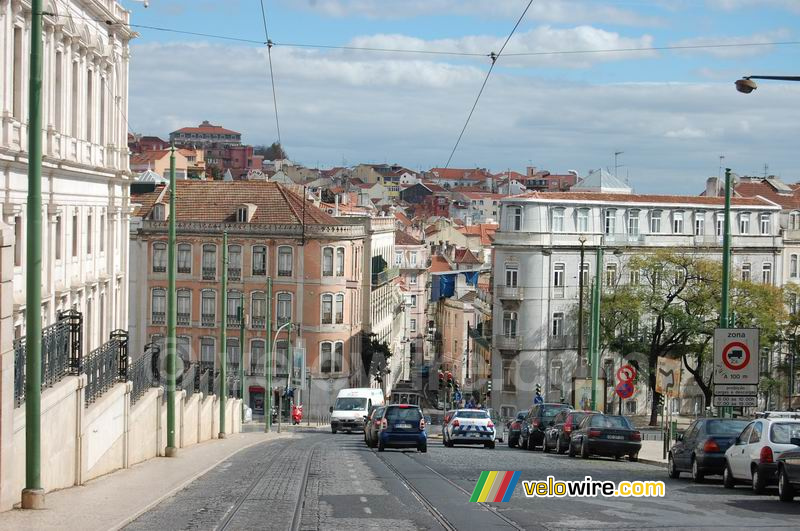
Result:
[
  {"x": 375, "y": 357},
  {"x": 214, "y": 172},
  {"x": 273, "y": 152}
]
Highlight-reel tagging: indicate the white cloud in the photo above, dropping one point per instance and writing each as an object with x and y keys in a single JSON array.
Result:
[
  {"x": 731, "y": 5},
  {"x": 731, "y": 48},
  {"x": 574, "y": 11},
  {"x": 332, "y": 108}
]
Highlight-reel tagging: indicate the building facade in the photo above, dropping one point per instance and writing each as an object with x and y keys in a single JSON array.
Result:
[
  {"x": 412, "y": 257},
  {"x": 536, "y": 275}
]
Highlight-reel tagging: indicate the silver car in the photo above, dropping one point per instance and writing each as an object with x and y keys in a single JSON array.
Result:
[{"x": 469, "y": 426}]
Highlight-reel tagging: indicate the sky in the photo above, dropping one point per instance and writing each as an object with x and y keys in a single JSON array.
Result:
[{"x": 672, "y": 113}]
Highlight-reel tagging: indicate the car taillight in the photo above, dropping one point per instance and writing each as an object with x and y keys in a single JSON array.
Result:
[
  {"x": 455, "y": 423},
  {"x": 490, "y": 425},
  {"x": 536, "y": 423},
  {"x": 384, "y": 424},
  {"x": 766, "y": 455},
  {"x": 568, "y": 427},
  {"x": 595, "y": 433},
  {"x": 421, "y": 424},
  {"x": 636, "y": 436},
  {"x": 711, "y": 446}
]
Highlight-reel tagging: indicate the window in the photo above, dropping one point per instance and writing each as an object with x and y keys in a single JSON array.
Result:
[
  {"x": 340, "y": 261},
  {"x": 234, "y": 262},
  {"x": 339, "y": 310},
  {"x": 258, "y": 309},
  {"x": 583, "y": 220},
  {"x": 720, "y": 225},
  {"x": 558, "y": 324},
  {"x": 259, "y": 261},
  {"x": 765, "y": 224},
  {"x": 76, "y": 83},
  {"x": 512, "y": 274},
  {"x": 284, "y": 261},
  {"x": 655, "y": 222},
  {"x": 327, "y": 308},
  {"x": 766, "y": 273},
  {"x": 556, "y": 375},
  {"x": 209, "y": 261},
  {"x": 558, "y": 280},
  {"x": 184, "y": 307},
  {"x": 509, "y": 375},
  {"x": 515, "y": 218},
  {"x": 699, "y": 223},
  {"x": 17, "y": 76},
  {"x": 630, "y": 407},
  {"x": 746, "y": 277},
  {"x": 59, "y": 237},
  {"x": 793, "y": 266},
  {"x": 510, "y": 324},
  {"x": 18, "y": 241},
  {"x": 677, "y": 223},
  {"x": 159, "y": 306},
  {"x": 232, "y": 348},
  {"x": 241, "y": 215},
  {"x": 89, "y": 233},
  {"x": 208, "y": 308},
  {"x": 281, "y": 357},
  {"x": 207, "y": 353},
  {"x": 633, "y": 223},
  {"x": 412, "y": 256},
  {"x": 159, "y": 257},
  {"x": 183, "y": 349},
  {"x": 184, "y": 258},
  {"x": 59, "y": 92},
  {"x": 412, "y": 279},
  {"x": 634, "y": 277},
  {"x": 792, "y": 303},
  {"x": 611, "y": 274},
  {"x": 413, "y": 325},
  {"x": 413, "y": 301},
  {"x": 558, "y": 220},
  {"x": 75, "y": 235},
  {"x": 610, "y": 223},
  {"x": 234, "y": 305},
  {"x": 284, "y": 308},
  {"x": 257, "y": 356},
  {"x": 398, "y": 258},
  {"x": 585, "y": 274},
  {"x": 331, "y": 357},
  {"x": 744, "y": 223},
  {"x": 794, "y": 220},
  {"x": 327, "y": 261},
  {"x": 89, "y": 110}
]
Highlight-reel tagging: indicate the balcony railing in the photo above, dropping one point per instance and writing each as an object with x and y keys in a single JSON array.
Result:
[
  {"x": 259, "y": 272},
  {"x": 185, "y": 269},
  {"x": 504, "y": 342},
  {"x": 159, "y": 268},
  {"x": 184, "y": 319},
  {"x": 624, "y": 239},
  {"x": 257, "y": 369},
  {"x": 233, "y": 320},
  {"x": 564, "y": 341},
  {"x": 257, "y": 322},
  {"x": 510, "y": 293},
  {"x": 209, "y": 273},
  {"x": 235, "y": 273},
  {"x": 208, "y": 319},
  {"x": 382, "y": 277},
  {"x": 159, "y": 318}
]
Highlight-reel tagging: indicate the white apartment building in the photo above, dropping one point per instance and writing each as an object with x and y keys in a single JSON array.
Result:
[
  {"x": 536, "y": 268},
  {"x": 85, "y": 175},
  {"x": 412, "y": 257}
]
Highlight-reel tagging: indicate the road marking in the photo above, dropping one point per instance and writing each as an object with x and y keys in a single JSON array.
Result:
[
  {"x": 367, "y": 510},
  {"x": 363, "y": 499}
]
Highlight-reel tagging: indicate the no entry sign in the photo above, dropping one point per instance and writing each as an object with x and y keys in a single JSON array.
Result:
[{"x": 735, "y": 356}]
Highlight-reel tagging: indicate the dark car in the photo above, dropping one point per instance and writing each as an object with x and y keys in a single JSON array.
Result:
[
  {"x": 536, "y": 421},
  {"x": 372, "y": 425},
  {"x": 513, "y": 428},
  {"x": 402, "y": 426},
  {"x": 789, "y": 472},
  {"x": 607, "y": 435},
  {"x": 700, "y": 450},
  {"x": 558, "y": 436}
]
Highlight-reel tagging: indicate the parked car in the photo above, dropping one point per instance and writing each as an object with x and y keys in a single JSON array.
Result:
[
  {"x": 372, "y": 425},
  {"x": 607, "y": 435},
  {"x": 402, "y": 426},
  {"x": 752, "y": 455},
  {"x": 789, "y": 472},
  {"x": 469, "y": 426},
  {"x": 499, "y": 426},
  {"x": 558, "y": 436},
  {"x": 513, "y": 428},
  {"x": 700, "y": 450},
  {"x": 538, "y": 418}
]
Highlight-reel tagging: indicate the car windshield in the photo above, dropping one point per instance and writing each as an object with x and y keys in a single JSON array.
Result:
[
  {"x": 578, "y": 417},
  {"x": 472, "y": 415},
  {"x": 552, "y": 411},
  {"x": 350, "y": 404},
  {"x": 397, "y": 414},
  {"x": 377, "y": 412},
  {"x": 603, "y": 421},
  {"x": 730, "y": 427},
  {"x": 521, "y": 415},
  {"x": 782, "y": 432}
]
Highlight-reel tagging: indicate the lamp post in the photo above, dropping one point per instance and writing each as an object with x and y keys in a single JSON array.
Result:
[
  {"x": 594, "y": 346},
  {"x": 746, "y": 85},
  {"x": 172, "y": 448},
  {"x": 223, "y": 365},
  {"x": 268, "y": 363},
  {"x": 269, "y": 379},
  {"x": 582, "y": 239},
  {"x": 241, "y": 356}
]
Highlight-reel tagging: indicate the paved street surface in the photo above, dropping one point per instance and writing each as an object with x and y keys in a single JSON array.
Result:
[{"x": 317, "y": 480}]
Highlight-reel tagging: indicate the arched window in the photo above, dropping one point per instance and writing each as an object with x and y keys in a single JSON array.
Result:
[
  {"x": 340, "y": 261},
  {"x": 185, "y": 258},
  {"x": 794, "y": 220},
  {"x": 327, "y": 261},
  {"x": 327, "y": 308},
  {"x": 208, "y": 308},
  {"x": 159, "y": 257},
  {"x": 331, "y": 357},
  {"x": 339, "y": 310},
  {"x": 285, "y": 260},
  {"x": 184, "y": 307},
  {"x": 159, "y": 306},
  {"x": 257, "y": 356},
  {"x": 258, "y": 309},
  {"x": 259, "y": 261},
  {"x": 234, "y": 305},
  {"x": 234, "y": 262},
  {"x": 209, "y": 261},
  {"x": 283, "y": 311}
]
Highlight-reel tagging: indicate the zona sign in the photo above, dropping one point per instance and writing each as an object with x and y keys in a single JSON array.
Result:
[{"x": 736, "y": 355}]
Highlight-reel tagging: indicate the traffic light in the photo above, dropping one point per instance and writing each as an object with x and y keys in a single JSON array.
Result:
[
  {"x": 449, "y": 379},
  {"x": 489, "y": 387},
  {"x": 539, "y": 390},
  {"x": 441, "y": 379}
]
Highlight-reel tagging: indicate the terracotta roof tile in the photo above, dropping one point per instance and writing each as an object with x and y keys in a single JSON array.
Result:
[
  {"x": 439, "y": 265},
  {"x": 465, "y": 256},
  {"x": 762, "y": 188},
  {"x": 402, "y": 238}
]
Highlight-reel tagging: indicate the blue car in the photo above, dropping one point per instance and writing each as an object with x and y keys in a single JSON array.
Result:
[{"x": 402, "y": 426}]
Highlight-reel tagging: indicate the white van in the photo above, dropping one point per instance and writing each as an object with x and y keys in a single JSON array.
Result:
[{"x": 352, "y": 405}]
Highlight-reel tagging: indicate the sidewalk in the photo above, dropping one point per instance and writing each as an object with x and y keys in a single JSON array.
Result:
[
  {"x": 113, "y": 501},
  {"x": 651, "y": 453}
]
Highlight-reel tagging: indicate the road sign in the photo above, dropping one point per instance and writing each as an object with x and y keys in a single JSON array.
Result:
[
  {"x": 626, "y": 373},
  {"x": 299, "y": 367},
  {"x": 735, "y": 356},
  {"x": 735, "y": 401},
  {"x": 668, "y": 377},
  {"x": 538, "y": 399},
  {"x": 736, "y": 390},
  {"x": 624, "y": 389}
]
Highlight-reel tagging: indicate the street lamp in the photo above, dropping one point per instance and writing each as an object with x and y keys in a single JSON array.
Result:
[
  {"x": 582, "y": 239},
  {"x": 280, "y": 401},
  {"x": 746, "y": 85}
]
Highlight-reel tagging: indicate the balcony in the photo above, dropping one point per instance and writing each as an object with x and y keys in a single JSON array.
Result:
[
  {"x": 187, "y": 270},
  {"x": 159, "y": 318},
  {"x": 257, "y": 369},
  {"x": 259, "y": 272},
  {"x": 382, "y": 277},
  {"x": 209, "y": 273},
  {"x": 184, "y": 319},
  {"x": 623, "y": 239},
  {"x": 564, "y": 341},
  {"x": 159, "y": 268},
  {"x": 234, "y": 321},
  {"x": 504, "y": 342},
  {"x": 510, "y": 293},
  {"x": 235, "y": 274},
  {"x": 208, "y": 319},
  {"x": 257, "y": 322}
]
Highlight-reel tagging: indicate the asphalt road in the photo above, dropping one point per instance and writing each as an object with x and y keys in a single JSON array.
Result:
[{"x": 322, "y": 481}]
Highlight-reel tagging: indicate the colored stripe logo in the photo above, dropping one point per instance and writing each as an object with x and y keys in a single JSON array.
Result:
[{"x": 495, "y": 486}]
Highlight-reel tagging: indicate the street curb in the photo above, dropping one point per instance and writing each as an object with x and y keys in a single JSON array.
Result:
[
  {"x": 127, "y": 520},
  {"x": 651, "y": 462}
]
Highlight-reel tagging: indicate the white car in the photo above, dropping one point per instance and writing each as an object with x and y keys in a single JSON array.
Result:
[
  {"x": 469, "y": 426},
  {"x": 753, "y": 455}
]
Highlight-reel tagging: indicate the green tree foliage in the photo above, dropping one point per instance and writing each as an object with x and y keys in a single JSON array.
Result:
[
  {"x": 375, "y": 357},
  {"x": 273, "y": 152}
]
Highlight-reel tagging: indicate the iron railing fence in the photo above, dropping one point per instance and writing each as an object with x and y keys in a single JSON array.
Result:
[
  {"x": 102, "y": 366},
  {"x": 187, "y": 380},
  {"x": 143, "y": 372}
]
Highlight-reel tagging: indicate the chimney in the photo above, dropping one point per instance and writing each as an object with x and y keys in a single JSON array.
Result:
[
  {"x": 713, "y": 187},
  {"x": 336, "y": 208}
]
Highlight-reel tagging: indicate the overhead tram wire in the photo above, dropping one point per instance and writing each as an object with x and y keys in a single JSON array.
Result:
[
  {"x": 494, "y": 58},
  {"x": 271, "y": 73}
]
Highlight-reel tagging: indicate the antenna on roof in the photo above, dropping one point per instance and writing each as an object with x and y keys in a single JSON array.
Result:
[
  {"x": 719, "y": 173},
  {"x": 616, "y": 166}
]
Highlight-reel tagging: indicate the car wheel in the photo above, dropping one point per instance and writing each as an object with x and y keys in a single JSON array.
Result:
[
  {"x": 584, "y": 450},
  {"x": 422, "y": 448},
  {"x": 571, "y": 450},
  {"x": 349, "y": 432},
  {"x": 785, "y": 489},
  {"x": 672, "y": 470},
  {"x": 759, "y": 482},
  {"x": 633, "y": 458},
  {"x": 489, "y": 445},
  {"x": 381, "y": 446},
  {"x": 511, "y": 442},
  {"x": 333, "y": 430},
  {"x": 728, "y": 480},
  {"x": 616, "y": 457},
  {"x": 697, "y": 476}
]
